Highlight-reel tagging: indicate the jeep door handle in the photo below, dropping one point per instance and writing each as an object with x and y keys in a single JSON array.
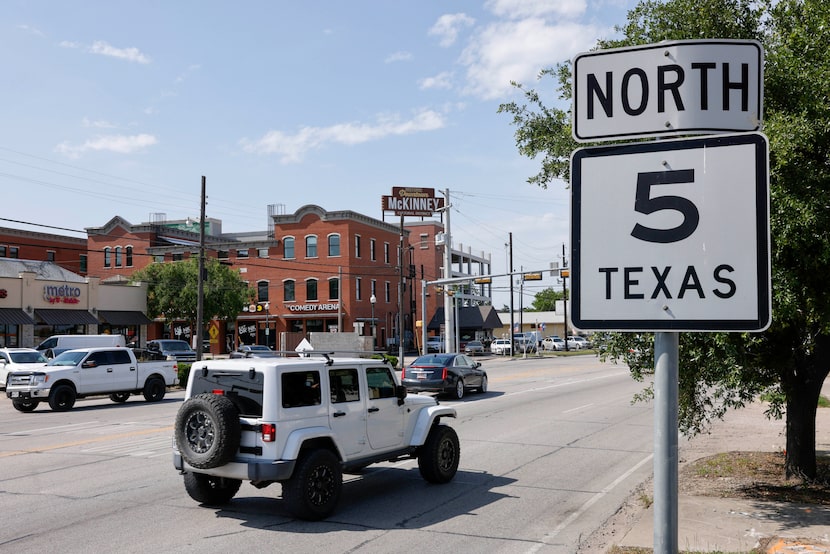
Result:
[
  {"x": 338, "y": 414},
  {"x": 109, "y": 370},
  {"x": 372, "y": 410}
]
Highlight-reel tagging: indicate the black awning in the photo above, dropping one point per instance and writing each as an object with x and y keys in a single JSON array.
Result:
[
  {"x": 66, "y": 317},
  {"x": 14, "y": 316},
  {"x": 124, "y": 317}
]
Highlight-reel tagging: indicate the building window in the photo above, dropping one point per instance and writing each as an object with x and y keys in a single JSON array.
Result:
[
  {"x": 242, "y": 253},
  {"x": 288, "y": 291},
  {"x": 14, "y": 252},
  {"x": 262, "y": 253},
  {"x": 387, "y": 291},
  {"x": 311, "y": 246},
  {"x": 357, "y": 281},
  {"x": 424, "y": 241},
  {"x": 374, "y": 287},
  {"x": 357, "y": 246},
  {"x": 118, "y": 259},
  {"x": 128, "y": 252},
  {"x": 372, "y": 250},
  {"x": 158, "y": 258},
  {"x": 334, "y": 245},
  {"x": 107, "y": 257},
  {"x": 83, "y": 264},
  {"x": 386, "y": 252},
  {"x": 334, "y": 288},
  {"x": 223, "y": 254},
  {"x": 311, "y": 289},
  {"x": 178, "y": 256},
  {"x": 3, "y": 251},
  {"x": 262, "y": 291},
  {"x": 50, "y": 255},
  {"x": 288, "y": 246}
]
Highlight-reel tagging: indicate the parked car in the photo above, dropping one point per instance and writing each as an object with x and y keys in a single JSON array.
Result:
[
  {"x": 18, "y": 359},
  {"x": 500, "y": 347},
  {"x": 474, "y": 347},
  {"x": 450, "y": 374},
  {"x": 553, "y": 343},
  {"x": 177, "y": 349},
  {"x": 435, "y": 344},
  {"x": 580, "y": 342},
  {"x": 253, "y": 351},
  {"x": 56, "y": 344},
  {"x": 524, "y": 343}
]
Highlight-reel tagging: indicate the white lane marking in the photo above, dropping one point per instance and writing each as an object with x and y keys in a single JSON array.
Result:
[
  {"x": 591, "y": 501},
  {"x": 578, "y": 408}
]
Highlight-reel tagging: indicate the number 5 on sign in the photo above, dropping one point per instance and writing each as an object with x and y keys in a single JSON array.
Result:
[{"x": 672, "y": 235}]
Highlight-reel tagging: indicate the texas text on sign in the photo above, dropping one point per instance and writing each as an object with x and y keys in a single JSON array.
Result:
[
  {"x": 672, "y": 235},
  {"x": 665, "y": 89}
]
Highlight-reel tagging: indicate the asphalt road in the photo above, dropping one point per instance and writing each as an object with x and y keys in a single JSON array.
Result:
[{"x": 548, "y": 454}]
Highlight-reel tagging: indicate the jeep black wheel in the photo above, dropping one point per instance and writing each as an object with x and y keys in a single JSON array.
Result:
[
  {"x": 207, "y": 431},
  {"x": 313, "y": 491},
  {"x": 62, "y": 398},
  {"x": 439, "y": 456},
  {"x": 154, "y": 389},
  {"x": 25, "y": 405},
  {"x": 208, "y": 489},
  {"x": 119, "y": 397}
]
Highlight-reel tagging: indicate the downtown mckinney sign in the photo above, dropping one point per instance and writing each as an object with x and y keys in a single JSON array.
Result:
[
  {"x": 671, "y": 235},
  {"x": 412, "y": 201}
]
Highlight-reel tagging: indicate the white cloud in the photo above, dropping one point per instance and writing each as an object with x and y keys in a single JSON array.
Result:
[
  {"x": 441, "y": 81},
  {"x": 520, "y": 9},
  {"x": 188, "y": 72},
  {"x": 69, "y": 44},
  {"x": 517, "y": 50},
  {"x": 400, "y": 56},
  {"x": 30, "y": 29},
  {"x": 129, "y": 54},
  {"x": 292, "y": 148},
  {"x": 100, "y": 124},
  {"x": 448, "y": 26},
  {"x": 120, "y": 144}
]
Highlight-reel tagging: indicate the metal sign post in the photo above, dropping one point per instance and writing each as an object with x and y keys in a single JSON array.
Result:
[{"x": 666, "y": 385}]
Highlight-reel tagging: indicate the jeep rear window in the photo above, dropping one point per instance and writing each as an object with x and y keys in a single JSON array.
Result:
[
  {"x": 301, "y": 388},
  {"x": 243, "y": 388}
]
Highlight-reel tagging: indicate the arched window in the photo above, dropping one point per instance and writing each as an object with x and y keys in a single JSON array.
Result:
[
  {"x": 107, "y": 257},
  {"x": 288, "y": 246},
  {"x": 334, "y": 245},
  {"x": 262, "y": 291},
  {"x": 311, "y": 246},
  {"x": 311, "y": 289},
  {"x": 334, "y": 288},
  {"x": 118, "y": 260},
  {"x": 288, "y": 290},
  {"x": 128, "y": 255}
]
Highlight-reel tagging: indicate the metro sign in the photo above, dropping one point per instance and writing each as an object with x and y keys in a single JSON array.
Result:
[
  {"x": 672, "y": 235},
  {"x": 669, "y": 88}
]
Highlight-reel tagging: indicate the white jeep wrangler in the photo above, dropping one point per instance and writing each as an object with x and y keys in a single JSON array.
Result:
[{"x": 302, "y": 422}]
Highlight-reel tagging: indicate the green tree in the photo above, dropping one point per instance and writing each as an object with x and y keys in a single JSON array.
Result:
[
  {"x": 790, "y": 360},
  {"x": 545, "y": 300},
  {"x": 172, "y": 291}
]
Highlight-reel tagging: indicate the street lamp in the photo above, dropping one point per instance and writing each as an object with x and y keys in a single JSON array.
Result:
[
  {"x": 267, "y": 326},
  {"x": 372, "y": 300}
]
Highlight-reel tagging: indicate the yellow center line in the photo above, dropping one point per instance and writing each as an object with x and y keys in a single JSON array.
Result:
[{"x": 85, "y": 441}]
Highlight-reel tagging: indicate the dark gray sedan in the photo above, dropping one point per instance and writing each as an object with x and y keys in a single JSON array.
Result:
[
  {"x": 450, "y": 374},
  {"x": 254, "y": 351}
]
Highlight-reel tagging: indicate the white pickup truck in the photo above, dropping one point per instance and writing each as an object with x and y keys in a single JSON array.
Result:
[{"x": 90, "y": 371}]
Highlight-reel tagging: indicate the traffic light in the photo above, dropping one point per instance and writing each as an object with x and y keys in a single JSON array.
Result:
[
  {"x": 532, "y": 277},
  {"x": 482, "y": 281}
]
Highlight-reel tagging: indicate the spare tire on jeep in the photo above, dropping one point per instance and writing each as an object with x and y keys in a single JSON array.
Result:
[{"x": 207, "y": 431}]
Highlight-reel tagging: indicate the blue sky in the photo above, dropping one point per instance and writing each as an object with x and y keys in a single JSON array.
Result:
[{"x": 118, "y": 108}]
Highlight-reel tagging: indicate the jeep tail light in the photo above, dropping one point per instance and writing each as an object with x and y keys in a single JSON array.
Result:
[
  {"x": 269, "y": 432},
  {"x": 218, "y": 392}
]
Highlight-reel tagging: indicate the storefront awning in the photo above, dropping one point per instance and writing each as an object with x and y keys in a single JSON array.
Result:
[
  {"x": 124, "y": 317},
  {"x": 14, "y": 316},
  {"x": 66, "y": 317}
]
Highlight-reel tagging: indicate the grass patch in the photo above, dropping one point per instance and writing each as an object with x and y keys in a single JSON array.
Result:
[{"x": 823, "y": 402}]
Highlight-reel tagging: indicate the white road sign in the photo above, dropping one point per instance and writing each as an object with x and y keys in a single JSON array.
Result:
[
  {"x": 672, "y": 235},
  {"x": 665, "y": 89}
]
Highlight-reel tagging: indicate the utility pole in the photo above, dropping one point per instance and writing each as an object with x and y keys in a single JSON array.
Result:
[
  {"x": 510, "y": 272},
  {"x": 200, "y": 303},
  {"x": 449, "y": 323},
  {"x": 565, "y": 296}
]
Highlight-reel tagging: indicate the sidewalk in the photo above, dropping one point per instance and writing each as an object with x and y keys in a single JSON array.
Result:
[{"x": 708, "y": 524}]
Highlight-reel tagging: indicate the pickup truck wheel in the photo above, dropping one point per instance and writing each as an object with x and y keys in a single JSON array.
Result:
[
  {"x": 25, "y": 405},
  {"x": 154, "y": 389},
  {"x": 211, "y": 490},
  {"x": 458, "y": 390},
  {"x": 439, "y": 456},
  {"x": 207, "y": 431},
  {"x": 119, "y": 397},
  {"x": 313, "y": 491},
  {"x": 62, "y": 398}
]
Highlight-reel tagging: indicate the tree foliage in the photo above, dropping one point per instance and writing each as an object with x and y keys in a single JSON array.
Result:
[
  {"x": 172, "y": 290},
  {"x": 545, "y": 300},
  {"x": 790, "y": 360}
]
